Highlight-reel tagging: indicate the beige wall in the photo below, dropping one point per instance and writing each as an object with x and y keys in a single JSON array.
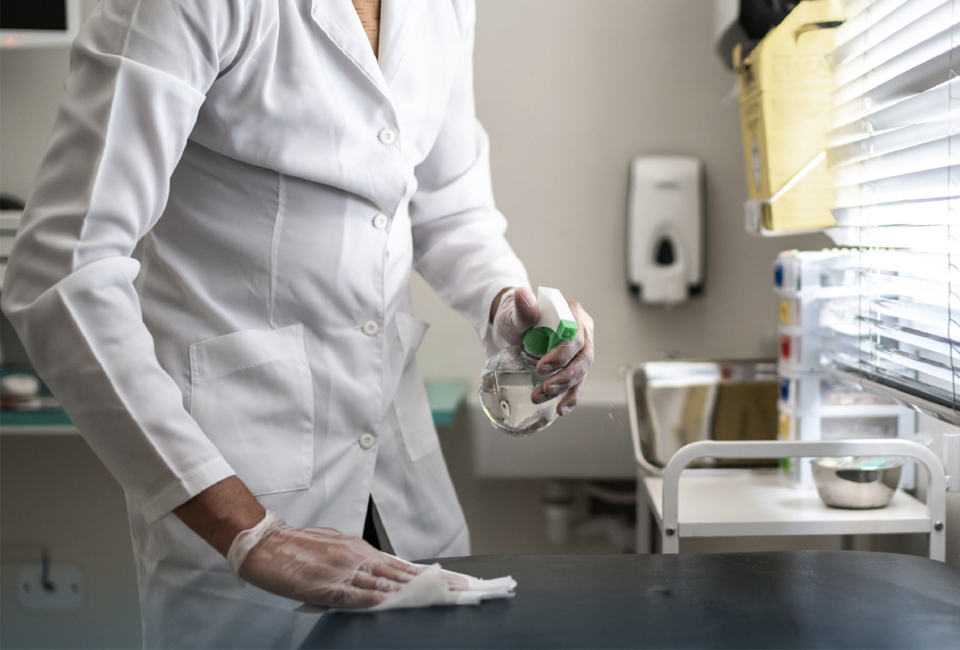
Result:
[{"x": 569, "y": 91}]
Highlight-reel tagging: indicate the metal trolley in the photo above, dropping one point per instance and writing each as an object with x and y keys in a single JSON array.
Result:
[{"x": 716, "y": 419}]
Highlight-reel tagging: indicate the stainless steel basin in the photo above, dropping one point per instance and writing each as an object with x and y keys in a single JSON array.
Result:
[{"x": 674, "y": 403}]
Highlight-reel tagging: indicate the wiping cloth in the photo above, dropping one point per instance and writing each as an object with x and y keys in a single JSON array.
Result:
[{"x": 428, "y": 589}]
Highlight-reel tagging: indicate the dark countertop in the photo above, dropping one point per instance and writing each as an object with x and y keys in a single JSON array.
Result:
[{"x": 789, "y": 599}]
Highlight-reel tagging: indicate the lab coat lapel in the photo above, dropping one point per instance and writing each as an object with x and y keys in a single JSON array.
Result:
[
  {"x": 339, "y": 20},
  {"x": 398, "y": 22}
]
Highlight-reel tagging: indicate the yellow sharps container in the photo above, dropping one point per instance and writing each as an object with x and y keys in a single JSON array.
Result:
[{"x": 786, "y": 89}]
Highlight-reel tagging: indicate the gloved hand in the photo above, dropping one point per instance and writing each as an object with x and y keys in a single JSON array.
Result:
[
  {"x": 319, "y": 566},
  {"x": 517, "y": 312}
]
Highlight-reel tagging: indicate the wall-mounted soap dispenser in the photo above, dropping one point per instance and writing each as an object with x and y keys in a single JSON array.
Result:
[{"x": 665, "y": 223}]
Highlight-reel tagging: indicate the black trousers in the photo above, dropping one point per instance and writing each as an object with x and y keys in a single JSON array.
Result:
[{"x": 369, "y": 529}]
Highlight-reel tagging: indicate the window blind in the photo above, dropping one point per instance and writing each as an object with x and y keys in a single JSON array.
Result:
[{"x": 890, "y": 317}]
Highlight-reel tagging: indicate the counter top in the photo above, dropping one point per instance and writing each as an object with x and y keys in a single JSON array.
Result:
[
  {"x": 35, "y": 422},
  {"x": 445, "y": 397},
  {"x": 789, "y": 599}
]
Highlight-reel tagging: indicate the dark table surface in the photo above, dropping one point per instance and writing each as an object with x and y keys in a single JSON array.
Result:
[{"x": 790, "y": 599}]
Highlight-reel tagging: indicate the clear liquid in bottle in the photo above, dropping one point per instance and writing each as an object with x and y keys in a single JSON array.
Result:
[{"x": 505, "y": 386}]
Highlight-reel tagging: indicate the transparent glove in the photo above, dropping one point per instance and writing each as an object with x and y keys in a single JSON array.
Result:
[
  {"x": 319, "y": 566},
  {"x": 517, "y": 312}
]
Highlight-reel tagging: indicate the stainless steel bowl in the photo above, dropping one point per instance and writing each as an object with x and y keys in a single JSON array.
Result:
[{"x": 858, "y": 482}]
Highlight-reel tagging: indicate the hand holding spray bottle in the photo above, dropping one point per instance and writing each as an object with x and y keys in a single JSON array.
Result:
[{"x": 511, "y": 375}]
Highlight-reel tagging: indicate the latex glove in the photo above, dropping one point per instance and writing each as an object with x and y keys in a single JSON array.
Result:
[
  {"x": 320, "y": 566},
  {"x": 517, "y": 312}
]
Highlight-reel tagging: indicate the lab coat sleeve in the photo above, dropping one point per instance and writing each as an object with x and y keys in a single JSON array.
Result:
[
  {"x": 139, "y": 71},
  {"x": 458, "y": 233}
]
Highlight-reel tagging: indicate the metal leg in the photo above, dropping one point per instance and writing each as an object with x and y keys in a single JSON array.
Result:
[
  {"x": 938, "y": 539},
  {"x": 644, "y": 517},
  {"x": 671, "y": 540}
]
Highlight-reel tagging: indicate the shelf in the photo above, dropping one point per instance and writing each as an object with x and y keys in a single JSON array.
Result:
[{"x": 734, "y": 503}]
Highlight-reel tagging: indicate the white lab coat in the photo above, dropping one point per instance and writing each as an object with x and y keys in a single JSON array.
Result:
[{"x": 212, "y": 274}]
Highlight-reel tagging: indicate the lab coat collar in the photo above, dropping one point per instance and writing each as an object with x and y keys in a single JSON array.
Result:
[
  {"x": 398, "y": 21},
  {"x": 339, "y": 20}
]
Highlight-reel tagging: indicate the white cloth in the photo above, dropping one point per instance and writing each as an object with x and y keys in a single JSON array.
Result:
[
  {"x": 201, "y": 279},
  {"x": 428, "y": 589}
]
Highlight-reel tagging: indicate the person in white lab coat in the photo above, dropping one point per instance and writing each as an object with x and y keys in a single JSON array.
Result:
[{"x": 212, "y": 277}]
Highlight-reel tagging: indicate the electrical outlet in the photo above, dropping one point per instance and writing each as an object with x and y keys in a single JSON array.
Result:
[{"x": 64, "y": 588}]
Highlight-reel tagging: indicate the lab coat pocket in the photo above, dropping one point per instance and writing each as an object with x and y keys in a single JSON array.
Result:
[
  {"x": 411, "y": 331},
  {"x": 252, "y": 395},
  {"x": 411, "y": 404}
]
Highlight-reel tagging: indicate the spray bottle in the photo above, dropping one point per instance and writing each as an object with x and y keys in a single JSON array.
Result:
[{"x": 511, "y": 375}]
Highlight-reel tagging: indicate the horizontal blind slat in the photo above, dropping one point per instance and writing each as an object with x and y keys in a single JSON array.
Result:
[
  {"x": 912, "y": 80},
  {"x": 888, "y": 142},
  {"x": 907, "y": 26},
  {"x": 917, "y": 238},
  {"x": 931, "y": 212},
  {"x": 921, "y": 156},
  {"x": 928, "y": 105},
  {"x": 860, "y": 21},
  {"x": 940, "y": 183}
]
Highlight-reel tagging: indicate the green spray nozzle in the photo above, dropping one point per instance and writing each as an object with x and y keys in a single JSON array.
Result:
[{"x": 556, "y": 323}]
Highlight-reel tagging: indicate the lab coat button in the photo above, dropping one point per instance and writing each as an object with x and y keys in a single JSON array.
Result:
[
  {"x": 366, "y": 441},
  {"x": 380, "y": 221},
  {"x": 387, "y": 136},
  {"x": 370, "y": 328}
]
